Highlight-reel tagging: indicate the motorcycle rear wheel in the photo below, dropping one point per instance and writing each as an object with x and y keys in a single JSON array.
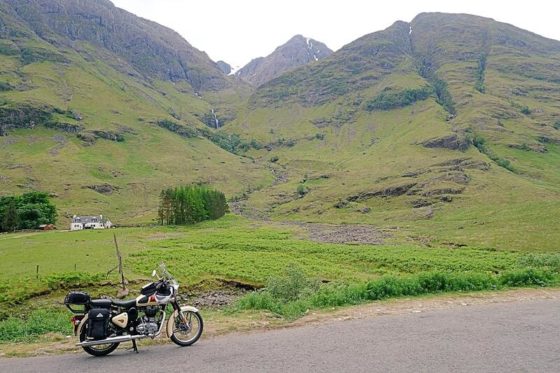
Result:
[
  {"x": 99, "y": 350},
  {"x": 187, "y": 328}
]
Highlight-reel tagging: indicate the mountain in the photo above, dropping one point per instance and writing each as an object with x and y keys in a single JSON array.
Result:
[
  {"x": 144, "y": 47},
  {"x": 224, "y": 67},
  {"x": 298, "y": 51},
  {"x": 445, "y": 129},
  {"x": 103, "y": 109},
  {"x": 442, "y": 131}
]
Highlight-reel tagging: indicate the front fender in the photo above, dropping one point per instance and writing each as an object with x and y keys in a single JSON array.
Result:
[
  {"x": 189, "y": 308},
  {"x": 171, "y": 321}
]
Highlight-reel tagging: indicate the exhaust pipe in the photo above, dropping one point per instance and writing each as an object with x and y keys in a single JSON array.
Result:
[
  {"x": 122, "y": 338},
  {"x": 119, "y": 339}
]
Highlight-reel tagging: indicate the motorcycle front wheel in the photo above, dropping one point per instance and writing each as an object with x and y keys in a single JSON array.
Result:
[
  {"x": 98, "y": 350},
  {"x": 187, "y": 327}
]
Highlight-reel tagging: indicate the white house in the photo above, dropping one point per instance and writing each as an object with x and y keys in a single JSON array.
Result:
[{"x": 89, "y": 222}]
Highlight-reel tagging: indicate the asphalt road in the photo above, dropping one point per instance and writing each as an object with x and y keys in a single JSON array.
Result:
[{"x": 522, "y": 336}]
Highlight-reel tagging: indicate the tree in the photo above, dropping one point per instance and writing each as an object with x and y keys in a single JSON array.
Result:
[
  {"x": 165, "y": 210},
  {"x": 27, "y": 211},
  {"x": 190, "y": 204},
  {"x": 10, "y": 219}
]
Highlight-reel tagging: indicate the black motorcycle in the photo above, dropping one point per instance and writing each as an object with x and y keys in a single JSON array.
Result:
[{"x": 102, "y": 324}]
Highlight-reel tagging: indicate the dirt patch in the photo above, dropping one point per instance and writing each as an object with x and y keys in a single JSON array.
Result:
[
  {"x": 214, "y": 299},
  {"x": 344, "y": 233}
]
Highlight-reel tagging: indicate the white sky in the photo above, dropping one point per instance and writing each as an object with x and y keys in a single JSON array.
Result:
[{"x": 238, "y": 31}]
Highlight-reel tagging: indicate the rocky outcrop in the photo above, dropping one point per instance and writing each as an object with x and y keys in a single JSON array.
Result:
[
  {"x": 102, "y": 188},
  {"x": 460, "y": 164},
  {"x": 392, "y": 191},
  {"x": 537, "y": 148},
  {"x": 64, "y": 127},
  {"x": 90, "y": 137},
  {"x": 108, "y": 135},
  {"x": 23, "y": 116},
  {"x": 442, "y": 191},
  {"x": 298, "y": 51},
  {"x": 451, "y": 142}
]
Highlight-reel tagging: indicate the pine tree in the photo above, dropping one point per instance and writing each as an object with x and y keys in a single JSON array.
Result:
[
  {"x": 10, "y": 219},
  {"x": 190, "y": 204}
]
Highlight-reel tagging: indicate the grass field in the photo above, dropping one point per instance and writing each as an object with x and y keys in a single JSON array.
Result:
[{"x": 234, "y": 249}]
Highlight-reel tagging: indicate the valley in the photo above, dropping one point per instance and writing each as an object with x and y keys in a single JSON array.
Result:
[{"x": 420, "y": 159}]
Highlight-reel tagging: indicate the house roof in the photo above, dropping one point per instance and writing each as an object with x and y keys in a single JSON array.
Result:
[{"x": 89, "y": 219}]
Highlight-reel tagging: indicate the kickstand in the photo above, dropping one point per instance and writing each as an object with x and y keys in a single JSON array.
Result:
[{"x": 134, "y": 347}]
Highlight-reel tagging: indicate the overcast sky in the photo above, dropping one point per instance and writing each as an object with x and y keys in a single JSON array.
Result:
[{"x": 238, "y": 31}]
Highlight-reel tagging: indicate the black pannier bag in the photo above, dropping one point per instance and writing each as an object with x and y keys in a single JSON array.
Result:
[{"x": 98, "y": 323}]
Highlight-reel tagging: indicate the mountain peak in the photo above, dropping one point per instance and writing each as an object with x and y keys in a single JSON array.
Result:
[{"x": 297, "y": 51}]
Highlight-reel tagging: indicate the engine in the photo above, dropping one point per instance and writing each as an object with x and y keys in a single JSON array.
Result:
[{"x": 148, "y": 324}]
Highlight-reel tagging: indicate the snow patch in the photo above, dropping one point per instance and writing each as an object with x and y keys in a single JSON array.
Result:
[
  {"x": 309, "y": 43},
  {"x": 410, "y": 31},
  {"x": 234, "y": 70}
]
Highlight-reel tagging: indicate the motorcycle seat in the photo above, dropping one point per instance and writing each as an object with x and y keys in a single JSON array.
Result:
[
  {"x": 101, "y": 303},
  {"x": 125, "y": 303}
]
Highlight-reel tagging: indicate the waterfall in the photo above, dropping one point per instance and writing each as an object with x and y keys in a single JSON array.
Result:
[{"x": 216, "y": 120}]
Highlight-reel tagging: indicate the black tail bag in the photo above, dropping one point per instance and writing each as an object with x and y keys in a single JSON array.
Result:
[{"x": 98, "y": 323}]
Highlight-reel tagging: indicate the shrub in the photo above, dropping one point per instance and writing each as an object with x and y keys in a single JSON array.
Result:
[
  {"x": 292, "y": 294},
  {"x": 443, "y": 97},
  {"x": 302, "y": 190},
  {"x": 292, "y": 284},
  {"x": 546, "y": 261},
  {"x": 526, "y": 277},
  {"x": 480, "y": 74},
  {"x": 177, "y": 128},
  {"x": 392, "y": 100},
  {"x": 480, "y": 143},
  {"x": 4, "y": 86}
]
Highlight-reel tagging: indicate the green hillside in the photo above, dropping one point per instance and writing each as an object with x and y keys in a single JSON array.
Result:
[
  {"x": 84, "y": 124},
  {"x": 444, "y": 130}
]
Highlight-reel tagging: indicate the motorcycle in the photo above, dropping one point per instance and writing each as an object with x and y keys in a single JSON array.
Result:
[{"x": 102, "y": 324}]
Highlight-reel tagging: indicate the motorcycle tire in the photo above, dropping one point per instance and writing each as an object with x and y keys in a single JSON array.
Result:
[
  {"x": 192, "y": 317},
  {"x": 99, "y": 350}
]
